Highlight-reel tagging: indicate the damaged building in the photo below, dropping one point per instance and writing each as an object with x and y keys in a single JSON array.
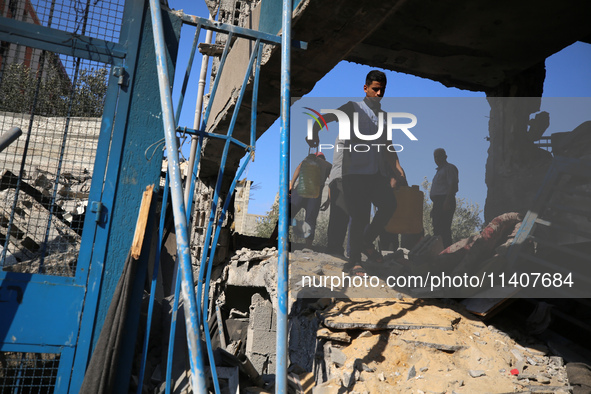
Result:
[{"x": 127, "y": 268}]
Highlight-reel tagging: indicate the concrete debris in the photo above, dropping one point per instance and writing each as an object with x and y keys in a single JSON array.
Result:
[
  {"x": 476, "y": 373},
  {"x": 386, "y": 315},
  {"x": 397, "y": 344},
  {"x": 245, "y": 254},
  {"x": 411, "y": 373},
  {"x": 260, "y": 342},
  {"x": 339, "y": 336},
  {"x": 429, "y": 358},
  {"x": 337, "y": 356},
  {"x": 43, "y": 236},
  {"x": 428, "y": 247}
]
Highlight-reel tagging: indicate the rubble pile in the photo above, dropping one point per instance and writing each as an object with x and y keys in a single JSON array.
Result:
[
  {"x": 250, "y": 321},
  {"x": 413, "y": 346},
  {"x": 41, "y": 227},
  {"x": 340, "y": 341}
]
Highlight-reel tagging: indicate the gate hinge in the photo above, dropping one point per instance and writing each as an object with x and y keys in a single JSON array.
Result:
[
  {"x": 120, "y": 72},
  {"x": 96, "y": 207}
]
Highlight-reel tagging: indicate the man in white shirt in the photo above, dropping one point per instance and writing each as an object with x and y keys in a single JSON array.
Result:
[
  {"x": 368, "y": 175},
  {"x": 443, "y": 194}
]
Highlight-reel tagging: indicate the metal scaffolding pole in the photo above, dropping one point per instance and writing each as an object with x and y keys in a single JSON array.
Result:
[
  {"x": 197, "y": 120},
  {"x": 283, "y": 260},
  {"x": 198, "y": 379}
]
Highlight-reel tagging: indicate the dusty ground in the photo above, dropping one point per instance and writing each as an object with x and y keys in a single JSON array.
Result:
[
  {"x": 467, "y": 358},
  {"x": 399, "y": 344}
]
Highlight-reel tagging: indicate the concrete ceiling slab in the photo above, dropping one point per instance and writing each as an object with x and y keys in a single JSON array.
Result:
[{"x": 467, "y": 44}]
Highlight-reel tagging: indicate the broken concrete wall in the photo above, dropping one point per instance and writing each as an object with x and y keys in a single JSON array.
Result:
[
  {"x": 515, "y": 167},
  {"x": 261, "y": 335},
  {"x": 231, "y": 78},
  {"x": 201, "y": 217},
  {"x": 45, "y": 142},
  {"x": 241, "y": 200}
]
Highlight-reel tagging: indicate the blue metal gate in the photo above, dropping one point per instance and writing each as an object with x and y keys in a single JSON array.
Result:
[{"x": 62, "y": 75}]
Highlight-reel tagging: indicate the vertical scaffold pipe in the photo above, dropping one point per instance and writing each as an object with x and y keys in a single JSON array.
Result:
[
  {"x": 283, "y": 268},
  {"x": 193, "y": 163},
  {"x": 188, "y": 290}
]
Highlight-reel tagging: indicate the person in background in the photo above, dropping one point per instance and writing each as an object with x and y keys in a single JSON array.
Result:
[
  {"x": 443, "y": 195},
  {"x": 338, "y": 219},
  {"x": 368, "y": 176},
  {"x": 310, "y": 205}
]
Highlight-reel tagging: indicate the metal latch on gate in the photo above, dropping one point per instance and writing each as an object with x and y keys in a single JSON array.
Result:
[
  {"x": 122, "y": 74},
  {"x": 96, "y": 207}
]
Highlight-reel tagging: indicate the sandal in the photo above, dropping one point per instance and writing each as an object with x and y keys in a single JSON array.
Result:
[
  {"x": 373, "y": 254},
  {"x": 357, "y": 270}
]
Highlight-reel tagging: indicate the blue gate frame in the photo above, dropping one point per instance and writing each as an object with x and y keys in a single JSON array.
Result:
[{"x": 57, "y": 315}]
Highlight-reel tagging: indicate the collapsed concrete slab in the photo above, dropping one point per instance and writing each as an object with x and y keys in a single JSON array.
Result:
[{"x": 469, "y": 357}]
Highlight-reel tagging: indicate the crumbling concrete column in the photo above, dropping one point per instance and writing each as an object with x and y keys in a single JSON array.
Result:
[
  {"x": 260, "y": 342},
  {"x": 515, "y": 167}
]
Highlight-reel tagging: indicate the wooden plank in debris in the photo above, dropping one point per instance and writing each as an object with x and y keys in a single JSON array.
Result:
[
  {"x": 142, "y": 221},
  {"x": 388, "y": 315}
]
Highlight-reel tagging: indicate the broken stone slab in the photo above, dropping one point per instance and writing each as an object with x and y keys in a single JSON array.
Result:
[
  {"x": 549, "y": 389},
  {"x": 351, "y": 372},
  {"x": 476, "y": 373},
  {"x": 62, "y": 264},
  {"x": 366, "y": 314},
  {"x": 348, "y": 377},
  {"x": 434, "y": 339},
  {"x": 326, "y": 388},
  {"x": 59, "y": 235},
  {"x": 245, "y": 254},
  {"x": 337, "y": 356},
  {"x": 438, "y": 346},
  {"x": 412, "y": 372},
  {"x": 518, "y": 360},
  {"x": 380, "y": 326},
  {"x": 339, "y": 336},
  {"x": 9, "y": 259},
  {"x": 261, "y": 274},
  {"x": 8, "y": 181},
  {"x": 536, "y": 377}
]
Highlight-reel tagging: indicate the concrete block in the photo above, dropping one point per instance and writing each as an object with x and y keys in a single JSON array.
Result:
[
  {"x": 260, "y": 341},
  {"x": 337, "y": 356},
  {"x": 261, "y": 313},
  {"x": 259, "y": 362},
  {"x": 271, "y": 364},
  {"x": 326, "y": 388},
  {"x": 231, "y": 375}
]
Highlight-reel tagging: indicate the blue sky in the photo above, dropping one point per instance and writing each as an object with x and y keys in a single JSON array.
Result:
[{"x": 567, "y": 75}]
